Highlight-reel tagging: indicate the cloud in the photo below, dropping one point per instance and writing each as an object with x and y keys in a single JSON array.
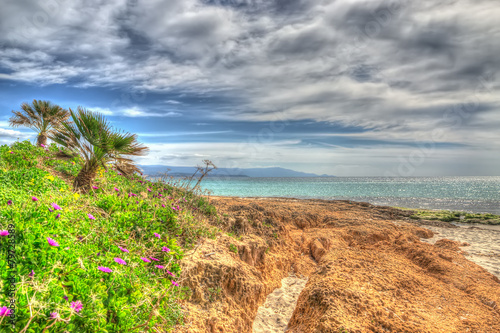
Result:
[
  {"x": 133, "y": 112},
  {"x": 399, "y": 69},
  {"x": 7, "y": 133}
]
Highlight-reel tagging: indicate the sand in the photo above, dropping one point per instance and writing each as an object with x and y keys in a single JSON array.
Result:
[
  {"x": 368, "y": 271},
  {"x": 484, "y": 243},
  {"x": 273, "y": 316}
]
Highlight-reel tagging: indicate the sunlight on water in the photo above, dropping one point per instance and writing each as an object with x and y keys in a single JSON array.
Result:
[{"x": 475, "y": 194}]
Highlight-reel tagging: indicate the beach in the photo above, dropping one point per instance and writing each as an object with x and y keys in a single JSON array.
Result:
[{"x": 364, "y": 268}]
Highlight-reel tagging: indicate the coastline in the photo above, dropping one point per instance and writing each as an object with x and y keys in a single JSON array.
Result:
[{"x": 366, "y": 267}]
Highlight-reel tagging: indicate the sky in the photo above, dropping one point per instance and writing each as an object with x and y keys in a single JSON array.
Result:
[{"x": 338, "y": 87}]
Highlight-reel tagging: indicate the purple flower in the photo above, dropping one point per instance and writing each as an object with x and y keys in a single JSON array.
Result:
[
  {"x": 65, "y": 297},
  {"x": 163, "y": 205},
  {"x": 50, "y": 210},
  {"x": 165, "y": 249},
  {"x": 58, "y": 216},
  {"x": 95, "y": 187},
  {"x": 34, "y": 198},
  {"x": 116, "y": 189},
  {"x": 9, "y": 202},
  {"x": 32, "y": 273},
  {"x": 175, "y": 283},
  {"x": 98, "y": 254},
  {"x": 149, "y": 190},
  {"x": 77, "y": 306},
  {"x": 54, "y": 315},
  {"x": 132, "y": 195},
  {"x": 157, "y": 235},
  {"x": 4, "y": 311},
  {"x": 124, "y": 249},
  {"x": 105, "y": 269},
  {"x": 146, "y": 260},
  {"x": 120, "y": 261},
  {"x": 4, "y": 232},
  {"x": 56, "y": 206},
  {"x": 91, "y": 216},
  {"x": 119, "y": 174},
  {"x": 52, "y": 242},
  {"x": 154, "y": 259},
  {"x": 159, "y": 266}
]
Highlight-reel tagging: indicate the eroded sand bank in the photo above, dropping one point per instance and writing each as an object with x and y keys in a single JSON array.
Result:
[{"x": 483, "y": 240}]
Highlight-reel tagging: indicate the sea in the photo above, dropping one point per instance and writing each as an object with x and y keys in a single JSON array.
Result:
[{"x": 470, "y": 194}]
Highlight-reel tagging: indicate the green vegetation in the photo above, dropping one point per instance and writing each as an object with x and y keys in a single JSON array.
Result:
[
  {"x": 41, "y": 116},
  {"x": 214, "y": 293},
  {"x": 92, "y": 138},
  {"x": 453, "y": 216},
  {"x": 103, "y": 261},
  {"x": 233, "y": 248}
]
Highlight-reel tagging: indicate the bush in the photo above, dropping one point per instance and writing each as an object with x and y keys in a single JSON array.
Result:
[{"x": 127, "y": 218}]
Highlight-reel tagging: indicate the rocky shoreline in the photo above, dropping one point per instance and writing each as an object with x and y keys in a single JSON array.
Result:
[{"x": 367, "y": 267}]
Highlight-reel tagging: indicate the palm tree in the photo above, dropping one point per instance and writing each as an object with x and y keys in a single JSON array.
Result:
[
  {"x": 42, "y": 116},
  {"x": 91, "y": 137}
]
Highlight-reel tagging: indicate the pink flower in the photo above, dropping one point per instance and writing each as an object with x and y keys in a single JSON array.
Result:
[
  {"x": 120, "y": 261},
  {"x": 52, "y": 242},
  {"x": 32, "y": 273},
  {"x": 65, "y": 297},
  {"x": 58, "y": 216},
  {"x": 54, "y": 315},
  {"x": 163, "y": 205},
  {"x": 34, "y": 198},
  {"x": 157, "y": 235},
  {"x": 154, "y": 259},
  {"x": 116, "y": 189},
  {"x": 95, "y": 187},
  {"x": 105, "y": 269},
  {"x": 175, "y": 283},
  {"x": 159, "y": 266},
  {"x": 146, "y": 260},
  {"x": 91, "y": 216},
  {"x": 42, "y": 145},
  {"x": 165, "y": 249},
  {"x": 4, "y": 232},
  {"x": 132, "y": 195},
  {"x": 4, "y": 311},
  {"x": 12, "y": 152},
  {"x": 170, "y": 273},
  {"x": 119, "y": 174},
  {"x": 123, "y": 249},
  {"x": 9, "y": 202},
  {"x": 56, "y": 206},
  {"x": 77, "y": 306},
  {"x": 149, "y": 190}
]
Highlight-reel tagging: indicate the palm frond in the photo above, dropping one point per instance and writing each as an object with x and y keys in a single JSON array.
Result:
[
  {"x": 42, "y": 116},
  {"x": 91, "y": 136}
]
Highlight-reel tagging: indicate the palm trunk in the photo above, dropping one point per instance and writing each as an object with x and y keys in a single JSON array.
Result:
[
  {"x": 84, "y": 180},
  {"x": 42, "y": 140}
]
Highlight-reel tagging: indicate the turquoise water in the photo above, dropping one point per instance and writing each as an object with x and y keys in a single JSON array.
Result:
[{"x": 474, "y": 194}]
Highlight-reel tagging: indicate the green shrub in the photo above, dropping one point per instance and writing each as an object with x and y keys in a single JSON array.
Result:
[{"x": 129, "y": 218}]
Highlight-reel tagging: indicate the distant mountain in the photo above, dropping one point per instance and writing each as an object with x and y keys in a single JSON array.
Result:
[{"x": 155, "y": 170}]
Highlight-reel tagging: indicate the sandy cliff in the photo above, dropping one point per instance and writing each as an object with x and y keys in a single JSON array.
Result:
[{"x": 366, "y": 267}]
